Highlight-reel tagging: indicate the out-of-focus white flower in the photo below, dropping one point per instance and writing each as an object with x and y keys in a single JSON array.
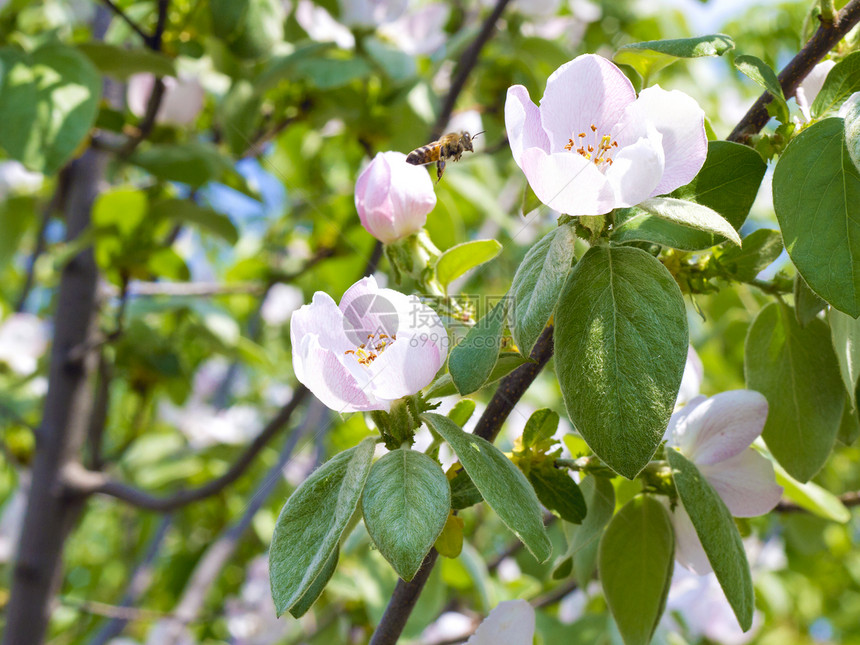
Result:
[
  {"x": 421, "y": 31},
  {"x": 321, "y": 27},
  {"x": 715, "y": 434},
  {"x": 16, "y": 179},
  {"x": 280, "y": 303},
  {"x": 691, "y": 382},
  {"x": 810, "y": 87},
  {"x": 180, "y": 105},
  {"x": 371, "y": 13},
  {"x": 23, "y": 340},
  {"x": 449, "y": 626},
  {"x": 204, "y": 425},
  {"x": 251, "y": 618},
  {"x": 511, "y": 622}
]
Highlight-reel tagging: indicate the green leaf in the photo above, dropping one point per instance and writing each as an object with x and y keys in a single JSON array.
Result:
[
  {"x": 620, "y": 348},
  {"x": 761, "y": 248},
  {"x": 717, "y": 533},
  {"x": 841, "y": 82},
  {"x": 331, "y": 73},
  {"x": 558, "y": 492},
  {"x": 761, "y": 73},
  {"x": 472, "y": 360},
  {"x": 845, "y": 332},
  {"x": 506, "y": 363},
  {"x": 397, "y": 65},
  {"x": 458, "y": 259},
  {"x": 501, "y": 484},
  {"x": 239, "y": 115},
  {"x": 542, "y": 425},
  {"x": 807, "y": 304},
  {"x": 462, "y": 411},
  {"x": 121, "y": 63},
  {"x": 192, "y": 163},
  {"x": 464, "y": 493},
  {"x": 651, "y": 56},
  {"x": 796, "y": 370},
  {"x": 636, "y": 561},
  {"x": 315, "y": 590},
  {"x": 812, "y": 497},
  {"x": 405, "y": 503},
  {"x": 537, "y": 284},
  {"x": 600, "y": 500},
  {"x": 691, "y": 215},
  {"x": 185, "y": 211},
  {"x": 850, "y": 113},
  {"x": 816, "y": 189},
  {"x": 283, "y": 68},
  {"x": 48, "y": 102},
  {"x": 249, "y": 28},
  {"x": 849, "y": 426},
  {"x": 727, "y": 183},
  {"x": 313, "y": 521}
]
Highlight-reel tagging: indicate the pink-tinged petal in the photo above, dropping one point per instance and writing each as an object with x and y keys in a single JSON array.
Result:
[
  {"x": 411, "y": 193},
  {"x": 523, "y": 124},
  {"x": 589, "y": 90},
  {"x": 636, "y": 169},
  {"x": 688, "y": 549},
  {"x": 323, "y": 319},
  {"x": 369, "y": 311},
  {"x": 682, "y": 123},
  {"x": 568, "y": 182},
  {"x": 694, "y": 371},
  {"x": 322, "y": 372},
  {"x": 511, "y": 622},
  {"x": 678, "y": 423},
  {"x": 746, "y": 483},
  {"x": 723, "y": 426}
]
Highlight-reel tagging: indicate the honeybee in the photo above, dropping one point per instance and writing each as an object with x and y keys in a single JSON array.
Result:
[{"x": 451, "y": 146}]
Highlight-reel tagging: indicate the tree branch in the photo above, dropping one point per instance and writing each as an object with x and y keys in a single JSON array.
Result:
[
  {"x": 79, "y": 481},
  {"x": 464, "y": 68},
  {"x": 848, "y": 499},
  {"x": 822, "y": 41},
  {"x": 511, "y": 389}
]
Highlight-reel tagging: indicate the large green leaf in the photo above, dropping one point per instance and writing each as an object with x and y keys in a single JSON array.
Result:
[
  {"x": 48, "y": 102},
  {"x": 472, "y": 360},
  {"x": 796, "y": 369},
  {"x": 718, "y": 534},
  {"x": 249, "y": 28},
  {"x": 192, "y": 163},
  {"x": 845, "y": 332},
  {"x": 812, "y": 497},
  {"x": 313, "y": 521},
  {"x": 120, "y": 63},
  {"x": 315, "y": 590},
  {"x": 727, "y": 183},
  {"x": 691, "y": 215},
  {"x": 185, "y": 211},
  {"x": 405, "y": 504},
  {"x": 537, "y": 284},
  {"x": 506, "y": 363},
  {"x": 636, "y": 561},
  {"x": 458, "y": 259},
  {"x": 557, "y": 491},
  {"x": 500, "y": 483},
  {"x": 620, "y": 348},
  {"x": 651, "y": 56},
  {"x": 816, "y": 192},
  {"x": 841, "y": 82}
]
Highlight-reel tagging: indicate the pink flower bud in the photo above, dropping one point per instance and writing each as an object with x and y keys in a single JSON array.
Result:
[{"x": 393, "y": 197}]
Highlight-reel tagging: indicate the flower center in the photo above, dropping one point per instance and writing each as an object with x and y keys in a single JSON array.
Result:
[
  {"x": 368, "y": 351},
  {"x": 593, "y": 147}
]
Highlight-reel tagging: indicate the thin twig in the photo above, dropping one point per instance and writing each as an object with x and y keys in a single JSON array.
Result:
[
  {"x": 464, "y": 68},
  {"x": 127, "y": 20},
  {"x": 80, "y": 482},
  {"x": 827, "y": 36}
]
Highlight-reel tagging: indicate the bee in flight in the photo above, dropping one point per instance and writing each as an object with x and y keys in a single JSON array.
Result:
[{"x": 451, "y": 146}]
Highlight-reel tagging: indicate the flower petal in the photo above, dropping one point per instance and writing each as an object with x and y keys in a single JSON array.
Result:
[
  {"x": 322, "y": 372},
  {"x": 677, "y": 423},
  {"x": 411, "y": 193},
  {"x": 746, "y": 482},
  {"x": 589, "y": 90},
  {"x": 511, "y": 622},
  {"x": 323, "y": 319},
  {"x": 811, "y": 85},
  {"x": 568, "y": 182},
  {"x": 636, "y": 169},
  {"x": 522, "y": 122},
  {"x": 722, "y": 427},
  {"x": 688, "y": 549},
  {"x": 682, "y": 123}
]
